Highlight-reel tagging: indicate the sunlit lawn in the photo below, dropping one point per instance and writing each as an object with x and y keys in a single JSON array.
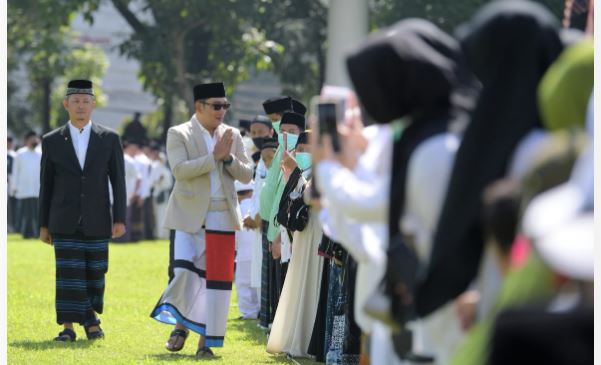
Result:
[{"x": 137, "y": 276}]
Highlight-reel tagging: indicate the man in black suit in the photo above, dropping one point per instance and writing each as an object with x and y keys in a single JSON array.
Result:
[{"x": 78, "y": 160}]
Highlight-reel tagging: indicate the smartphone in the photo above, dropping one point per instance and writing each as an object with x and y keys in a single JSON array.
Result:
[
  {"x": 285, "y": 139},
  {"x": 328, "y": 115}
]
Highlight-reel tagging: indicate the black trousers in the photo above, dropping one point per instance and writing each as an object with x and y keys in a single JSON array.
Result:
[
  {"x": 149, "y": 220},
  {"x": 27, "y": 218}
]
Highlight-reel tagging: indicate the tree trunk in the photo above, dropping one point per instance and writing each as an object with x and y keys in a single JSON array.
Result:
[
  {"x": 321, "y": 68},
  {"x": 46, "y": 94},
  {"x": 167, "y": 117},
  {"x": 179, "y": 56}
]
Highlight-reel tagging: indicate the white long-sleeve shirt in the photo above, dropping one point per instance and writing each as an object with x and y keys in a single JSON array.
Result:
[
  {"x": 132, "y": 176},
  {"x": 26, "y": 174},
  {"x": 356, "y": 213}
]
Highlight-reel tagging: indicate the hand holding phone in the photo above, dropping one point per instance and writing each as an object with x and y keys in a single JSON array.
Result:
[
  {"x": 285, "y": 139},
  {"x": 328, "y": 115}
]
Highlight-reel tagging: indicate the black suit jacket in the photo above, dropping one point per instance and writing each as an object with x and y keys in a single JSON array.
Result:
[{"x": 70, "y": 196}]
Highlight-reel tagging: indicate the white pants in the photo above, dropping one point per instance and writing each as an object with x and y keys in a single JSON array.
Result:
[{"x": 248, "y": 298}]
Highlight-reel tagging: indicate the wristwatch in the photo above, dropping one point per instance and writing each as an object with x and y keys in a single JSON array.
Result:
[{"x": 229, "y": 160}]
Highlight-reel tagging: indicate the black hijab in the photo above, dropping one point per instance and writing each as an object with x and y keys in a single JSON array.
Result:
[
  {"x": 410, "y": 69},
  {"x": 508, "y": 45}
]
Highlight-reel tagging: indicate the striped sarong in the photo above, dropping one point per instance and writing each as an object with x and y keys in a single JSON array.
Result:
[
  {"x": 81, "y": 264},
  {"x": 199, "y": 294},
  {"x": 268, "y": 303}
]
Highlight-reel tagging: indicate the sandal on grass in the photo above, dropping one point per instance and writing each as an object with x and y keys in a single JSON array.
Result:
[
  {"x": 204, "y": 353},
  {"x": 66, "y": 335},
  {"x": 176, "y": 333},
  {"x": 93, "y": 335}
]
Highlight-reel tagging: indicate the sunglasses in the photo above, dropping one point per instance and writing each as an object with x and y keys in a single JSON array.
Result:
[{"x": 216, "y": 106}]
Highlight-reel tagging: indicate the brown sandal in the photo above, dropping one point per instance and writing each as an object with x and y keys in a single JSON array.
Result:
[{"x": 176, "y": 333}]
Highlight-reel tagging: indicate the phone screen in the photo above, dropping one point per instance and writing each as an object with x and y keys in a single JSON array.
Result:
[{"x": 327, "y": 118}]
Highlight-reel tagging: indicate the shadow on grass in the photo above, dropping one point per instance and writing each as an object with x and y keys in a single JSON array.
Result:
[
  {"x": 179, "y": 357},
  {"x": 249, "y": 329},
  {"x": 50, "y": 344}
]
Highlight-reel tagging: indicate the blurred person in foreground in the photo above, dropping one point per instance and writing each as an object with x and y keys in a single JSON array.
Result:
[
  {"x": 206, "y": 158},
  {"x": 78, "y": 160}
]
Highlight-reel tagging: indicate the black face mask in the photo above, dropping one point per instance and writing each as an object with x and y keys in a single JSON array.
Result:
[
  {"x": 259, "y": 142},
  {"x": 34, "y": 145}
]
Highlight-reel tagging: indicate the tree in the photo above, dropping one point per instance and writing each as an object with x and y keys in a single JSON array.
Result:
[
  {"x": 300, "y": 27},
  {"x": 38, "y": 37},
  {"x": 83, "y": 61},
  {"x": 189, "y": 42}
]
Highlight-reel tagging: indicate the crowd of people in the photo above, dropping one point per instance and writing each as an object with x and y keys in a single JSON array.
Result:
[
  {"x": 452, "y": 224},
  {"x": 447, "y": 217},
  {"x": 148, "y": 182}
]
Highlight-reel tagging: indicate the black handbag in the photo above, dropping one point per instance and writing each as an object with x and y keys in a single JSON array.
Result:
[{"x": 293, "y": 213}]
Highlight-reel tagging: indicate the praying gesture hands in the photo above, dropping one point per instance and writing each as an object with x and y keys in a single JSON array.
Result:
[{"x": 223, "y": 146}]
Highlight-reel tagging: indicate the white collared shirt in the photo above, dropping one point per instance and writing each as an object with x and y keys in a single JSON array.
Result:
[
  {"x": 216, "y": 185},
  {"x": 80, "y": 139}
]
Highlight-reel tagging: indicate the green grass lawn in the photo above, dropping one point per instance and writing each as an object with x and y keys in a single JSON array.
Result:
[{"x": 136, "y": 278}]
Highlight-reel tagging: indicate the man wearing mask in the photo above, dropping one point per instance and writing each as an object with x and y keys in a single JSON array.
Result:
[
  {"x": 206, "y": 158},
  {"x": 26, "y": 186},
  {"x": 261, "y": 130},
  {"x": 291, "y": 126}
]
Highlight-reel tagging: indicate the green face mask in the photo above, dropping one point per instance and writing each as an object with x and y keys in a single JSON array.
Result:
[
  {"x": 276, "y": 126},
  {"x": 303, "y": 159},
  {"x": 291, "y": 138}
]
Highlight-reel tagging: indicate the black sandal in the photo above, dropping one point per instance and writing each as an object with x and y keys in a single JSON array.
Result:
[
  {"x": 204, "y": 353},
  {"x": 177, "y": 333},
  {"x": 66, "y": 335},
  {"x": 93, "y": 335}
]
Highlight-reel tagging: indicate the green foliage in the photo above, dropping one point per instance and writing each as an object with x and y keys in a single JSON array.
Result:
[
  {"x": 190, "y": 42},
  {"x": 39, "y": 38},
  {"x": 300, "y": 28},
  {"x": 85, "y": 61},
  {"x": 136, "y": 278}
]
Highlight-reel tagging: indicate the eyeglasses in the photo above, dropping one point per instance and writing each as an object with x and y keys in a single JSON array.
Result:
[{"x": 217, "y": 106}]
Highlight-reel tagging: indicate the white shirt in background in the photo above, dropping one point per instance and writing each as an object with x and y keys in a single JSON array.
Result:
[
  {"x": 131, "y": 177},
  {"x": 245, "y": 238},
  {"x": 144, "y": 166},
  {"x": 26, "y": 173}
]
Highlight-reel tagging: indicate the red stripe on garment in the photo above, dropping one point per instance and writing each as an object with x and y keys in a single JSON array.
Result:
[{"x": 220, "y": 252}]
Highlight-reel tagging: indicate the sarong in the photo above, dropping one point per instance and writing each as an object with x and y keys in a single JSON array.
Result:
[
  {"x": 199, "y": 294},
  {"x": 81, "y": 263}
]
